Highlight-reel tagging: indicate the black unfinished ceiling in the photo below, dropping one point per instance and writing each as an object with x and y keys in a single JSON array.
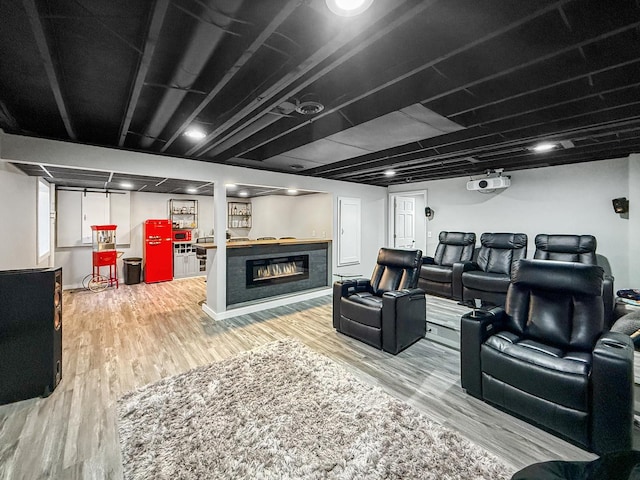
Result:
[{"x": 430, "y": 89}]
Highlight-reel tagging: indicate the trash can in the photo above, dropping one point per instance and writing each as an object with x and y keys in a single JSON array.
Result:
[{"x": 132, "y": 270}]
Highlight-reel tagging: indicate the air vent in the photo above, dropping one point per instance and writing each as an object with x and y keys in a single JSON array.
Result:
[{"x": 309, "y": 108}]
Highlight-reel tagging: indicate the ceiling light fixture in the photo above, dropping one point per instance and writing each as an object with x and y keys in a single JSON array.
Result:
[
  {"x": 230, "y": 186},
  {"x": 192, "y": 190},
  {"x": 544, "y": 147},
  {"x": 348, "y": 8},
  {"x": 126, "y": 184},
  {"x": 195, "y": 133},
  {"x": 243, "y": 194},
  {"x": 389, "y": 173},
  {"x": 292, "y": 191}
]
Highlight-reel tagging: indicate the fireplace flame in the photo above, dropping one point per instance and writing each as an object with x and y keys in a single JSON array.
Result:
[{"x": 277, "y": 270}]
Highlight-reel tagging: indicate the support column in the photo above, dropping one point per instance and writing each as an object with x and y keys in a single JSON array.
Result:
[{"x": 216, "y": 303}]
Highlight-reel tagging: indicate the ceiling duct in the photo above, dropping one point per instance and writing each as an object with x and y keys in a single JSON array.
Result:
[{"x": 309, "y": 107}]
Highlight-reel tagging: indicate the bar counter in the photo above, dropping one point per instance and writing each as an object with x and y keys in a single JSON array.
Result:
[
  {"x": 251, "y": 243},
  {"x": 262, "y": 269}
]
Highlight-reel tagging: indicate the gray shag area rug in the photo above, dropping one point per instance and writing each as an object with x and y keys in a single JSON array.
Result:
[{"x": 283, "y": 411}]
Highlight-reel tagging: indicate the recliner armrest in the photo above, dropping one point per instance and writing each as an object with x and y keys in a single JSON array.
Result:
[
  {"x": 474, "y": 330},
  {"x": 456, "y": 277},
  {"x": 411, "y": 292},
  {"x": 428, "y": 261},
  {"x": 403, "y": 318},
  {"x": 612, "y": 393},
  {"x": 344, "y": 288}
]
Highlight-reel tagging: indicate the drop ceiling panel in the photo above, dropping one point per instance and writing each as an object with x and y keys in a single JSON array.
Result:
[
  {"x": 437, "y": 121},
  {"x": 325, "y": 151},
  {"x": 395, "y": 129},
  {"x": 289, "y": 163}
]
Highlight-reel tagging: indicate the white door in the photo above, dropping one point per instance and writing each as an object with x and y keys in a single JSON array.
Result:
[
  {"x": 348, "y": 231},
  {"x": 405, "y": 214}
]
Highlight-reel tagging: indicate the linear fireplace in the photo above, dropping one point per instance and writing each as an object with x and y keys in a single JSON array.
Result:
[{"x": 267, "y": 271}]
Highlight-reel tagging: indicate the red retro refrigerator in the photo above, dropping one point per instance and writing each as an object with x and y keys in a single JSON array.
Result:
[{"x": 157, "y": 251}]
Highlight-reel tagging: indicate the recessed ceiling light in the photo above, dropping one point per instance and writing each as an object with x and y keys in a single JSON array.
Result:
[
  {"x": 348, "y": 8},
  {"x": 126, "y": 184},
  {"x": 544, "y": 147},
  {"x": 195, "y": 133},
  {"x": 192, "y": 190},
  {"x": 389, "y": 173},
  {"x": 292, "y": 191},
  {"x": 243, "y": 194},
  {"x": 230, "y": 186}
]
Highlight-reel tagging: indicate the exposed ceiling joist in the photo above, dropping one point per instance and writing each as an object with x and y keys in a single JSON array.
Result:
[
  {"x": 322, "y": 54},
  {"x": 47, "y": 60},
  {"x": 255, "y": 77},
  {"x": 155, "y": 25},
  {"x": 242, "y": 60}
]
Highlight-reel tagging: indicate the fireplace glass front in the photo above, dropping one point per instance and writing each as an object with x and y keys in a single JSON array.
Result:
[{"x": 267, "y": 271}]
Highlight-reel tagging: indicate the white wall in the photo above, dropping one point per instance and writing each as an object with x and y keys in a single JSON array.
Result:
[
  {"x": 634, "y": 221},
  {"x": 17, "y": 219},
  {"x": 571, "y": 199},
  {"x": 305, "y": 216}
]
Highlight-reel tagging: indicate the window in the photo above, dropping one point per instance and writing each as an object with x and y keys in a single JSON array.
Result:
[{"x": 44, "y": 220}]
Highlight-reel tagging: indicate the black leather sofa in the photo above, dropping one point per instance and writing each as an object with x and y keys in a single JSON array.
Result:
[
  {"x": 489, "y": 276},
  {"x": 442, "y": 274},
  {"x": 386, "y": 311},
  {"x": 580, "y": 249},
  {"x": 623, "y": 465},
  {"x": 548, "y": 357}
]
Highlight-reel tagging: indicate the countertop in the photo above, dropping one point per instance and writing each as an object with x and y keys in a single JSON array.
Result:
[{"x": 251, "y": 243}]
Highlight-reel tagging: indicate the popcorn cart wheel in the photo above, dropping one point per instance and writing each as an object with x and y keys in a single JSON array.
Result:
[{"x": 95, "y": 282}]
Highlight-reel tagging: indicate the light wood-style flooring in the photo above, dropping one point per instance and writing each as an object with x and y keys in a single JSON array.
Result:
[{"x": 120, "y": 339}]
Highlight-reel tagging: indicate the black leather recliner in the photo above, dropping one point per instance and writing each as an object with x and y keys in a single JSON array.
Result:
[
  {"x": 580, "y": 249},
  {"x": 488, "y": 278},
  {"x": 547, "y": 356},
  {"x": 442, "y": 273},
  {"x": 387, "y": 311}
]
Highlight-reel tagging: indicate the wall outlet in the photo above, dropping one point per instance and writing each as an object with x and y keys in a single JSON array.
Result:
[
  {"x": 428, "y": 234},
  {"x": 313, "y": 233}
]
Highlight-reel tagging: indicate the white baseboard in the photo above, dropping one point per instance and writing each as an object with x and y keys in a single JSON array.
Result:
[{"x": 258, "y": 307}]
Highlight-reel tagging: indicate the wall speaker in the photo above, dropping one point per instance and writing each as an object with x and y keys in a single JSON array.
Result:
[
  {"x": 620, "y": 205},
  {"x": 31, "y": 333}
]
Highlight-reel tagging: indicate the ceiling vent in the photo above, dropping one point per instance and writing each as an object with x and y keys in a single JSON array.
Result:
[{"x": 309, "y": 108}]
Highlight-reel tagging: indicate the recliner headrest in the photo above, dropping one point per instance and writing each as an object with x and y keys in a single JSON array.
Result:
[
  {"x": 457, "y": 238},
  {"x": 563, "y": 277},
  {"x": 504, "y": 240},
  {"x": 566, "y": 243},
  {"x": 400, "y": 258}
]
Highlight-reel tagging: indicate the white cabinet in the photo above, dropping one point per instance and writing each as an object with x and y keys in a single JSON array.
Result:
[
  {"x": 185, "y": 263},
  {"x": 76, "y": 211}
]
